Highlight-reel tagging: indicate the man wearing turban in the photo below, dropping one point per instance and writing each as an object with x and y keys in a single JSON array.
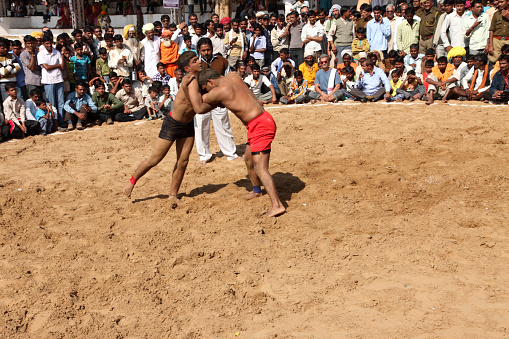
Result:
[
  {"x": 169, "y": 52},
  {"x": 132, "y": 42},
  {"x": 150, "y": 51}
]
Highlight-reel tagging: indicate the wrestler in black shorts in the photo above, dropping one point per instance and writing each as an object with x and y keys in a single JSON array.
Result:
[{"x": 172, "y": 130}]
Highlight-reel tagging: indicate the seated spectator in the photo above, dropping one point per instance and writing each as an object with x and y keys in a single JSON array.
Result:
[
  {"x": 242, "y": 70},
  {"x": 165, "y": 101},
  {"x": 441, "y": 80},
  {"x": 412, "y": 87},
  {"x": 371, "y": 84},
  {"x": 115, "y": 83},
  {"x": 496, "y": 67},
  {"x": 309, "y": 68},
  {"x": 107, "y": 105},
  {"x": 174, "y": 83},
  {"x": 400, "y": 67},
  {"x": 390, "y": 62},
  {"x": 143, "y": 83},
  {"x": 273, "y": 80},
  {"x": 469, "y": 59},
  {"x": 413, "y": 60},
  {"x": 152, "y": 104},
  {"x": 327, "y": 83},
  {"x": 347, "y": 57},
  {"x": 395, "y": 85},
  {"x": 30, "y": 107},
  {"x": 499, "y": 89},
  {"x": 78, "y": 105},
  {"x": 378, "y": 59},
  {"x": 430, "y": 55},
  {"x": 360, "y": 43},
  {"x": 285, "y": 78},
  {"x": 161, "y": 75},
  {"x": 297, "y": 93},
  {"x": 101, "y": 65},
  {"x": 477, "y": 80},
  {"x": 348, "y": 80},
  {"x": 427, "y": 71},
  {"x": 134, "y": 105},
  {"x": 255, "y": 82},
  {"x": 363, "y": 56},
  {"x": 16, "y": 125},
  {"x": 45, "y": 116},
  {"x": 250, "y": 61},
  {"x": 284, "y": 56}
]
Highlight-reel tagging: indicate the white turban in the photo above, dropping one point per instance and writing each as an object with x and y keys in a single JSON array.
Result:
[
  {"x": 132, "y": 29},
  {"x": 346, "y": 51},
  {"x": 338, "y": 7},
  {"x": 363, "y": 55},
  {"x": 147, "y": 27},
  {"x": 308, "y": 53}
]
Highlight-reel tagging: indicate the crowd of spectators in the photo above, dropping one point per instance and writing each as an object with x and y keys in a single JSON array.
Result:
[{"x": 403, "y": 51}]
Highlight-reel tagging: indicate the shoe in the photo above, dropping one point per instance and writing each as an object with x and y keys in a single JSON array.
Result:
[
  {"x": 70, "y": 127},
  {"x": 98, "y": 122},
  {"x": 62, "y": 129},
  {"x": 109, "y": 122},
  {"x": 79, "y": 126},
  {"x": 364, "y": 100},
  {"x": 150, "y": 118}
]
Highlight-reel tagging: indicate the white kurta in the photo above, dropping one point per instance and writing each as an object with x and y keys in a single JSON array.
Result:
[{"x": 151, "y": 54}]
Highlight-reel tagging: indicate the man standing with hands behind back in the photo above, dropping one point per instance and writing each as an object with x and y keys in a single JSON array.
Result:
[{"x": 499, "y": 31}]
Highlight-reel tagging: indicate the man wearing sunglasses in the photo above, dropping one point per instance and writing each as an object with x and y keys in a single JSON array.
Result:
[{"x": 327, "y": 83}]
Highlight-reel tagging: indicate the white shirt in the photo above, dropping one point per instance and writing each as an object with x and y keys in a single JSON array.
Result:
[
  {"x": 115, "y": 55},
  {"x": 468, "y": 78},
  {"x": 276, "y": 64},
  {"x": 174, "y": 87},
  {"x": 54, "y": 58},
  {"x": 478, "y": 38},
  {"x": 454, "y": 23},
  {"x": 30, "y": 109},
  {"x": 218, "y": 46},
  {"x": 253, "y": 84},
  {"x": 312, "y": 31}
]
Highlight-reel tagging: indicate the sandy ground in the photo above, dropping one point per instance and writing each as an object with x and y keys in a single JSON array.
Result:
[{"x": 396, "y": 227}]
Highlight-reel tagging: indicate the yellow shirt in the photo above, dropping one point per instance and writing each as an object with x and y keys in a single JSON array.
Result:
[
  {"x": 395, "y": 86},
  {"x": 309, "y": 73}
]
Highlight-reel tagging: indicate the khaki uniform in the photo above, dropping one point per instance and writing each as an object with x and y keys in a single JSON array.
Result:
[
  {"x": 429, "y": 22},
  {"x": 500, "y": 28}
]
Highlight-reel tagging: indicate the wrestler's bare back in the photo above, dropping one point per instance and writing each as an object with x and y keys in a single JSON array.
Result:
[{"x": 233, "y": 94}]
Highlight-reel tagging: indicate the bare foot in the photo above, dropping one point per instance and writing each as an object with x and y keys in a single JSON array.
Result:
[
  {"x": 175, "y": 202},
  {"x": 444, "y": 101},
  {"x": 252, "y": 195},
  {"x": 430, "y": 100},
  {"x": 275, "y": 211},
  {"x": 203, "y": 162},
  {"x": 128, "y": 188}
]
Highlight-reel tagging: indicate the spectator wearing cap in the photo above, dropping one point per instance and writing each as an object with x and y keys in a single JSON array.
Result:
[
  {"x": 296, "y": 26},
  {"x": 371, "y": 84},
  {"x": 150, "y": 52},
  {"x": 347, "y": 57},
  {"x": 312, "y": 35},
  {"x": 340, "y": 34},
  {"x": 309, "y": 68},
  {"x": 169, "y": 53},
  {"x": 132, "y": 42},
  {"x": 378, "y": 30},
  {"x": 227, "y": 23},
  {"x": 327, "y": 83},
  {"x": 362, "y": 56}
]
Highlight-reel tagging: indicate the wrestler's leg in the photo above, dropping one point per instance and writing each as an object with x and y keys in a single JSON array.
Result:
[
  {"x": 255, "y": 181},
  {"x": 184, "y": 146},
  {"x": 261, "y": 166},
  {"x": 161, "y": 147}
]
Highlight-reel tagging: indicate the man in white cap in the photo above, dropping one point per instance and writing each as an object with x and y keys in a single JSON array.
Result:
[
  {"x": 340, "y": 34},
  {"x": 150, "y": 51}
]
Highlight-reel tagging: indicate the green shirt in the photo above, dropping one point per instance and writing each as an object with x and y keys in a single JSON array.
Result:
[
  {"x": 109, "y": 99},
  {"x": 102, "y": 67}
]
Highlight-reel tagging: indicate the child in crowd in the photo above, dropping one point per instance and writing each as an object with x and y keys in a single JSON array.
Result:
[
  {"x": 151, "y": 103},
  {"x": 414, "y": 59},
  {"x": 360, "y": 43},
  {"x": 45, "y": 116},
  {"x": 412, "y": 88},
  {"x": 348, "y": 79},
  {"x": 101, "y": 65},
  {"x": 187, "y": 42},
  {"x": 430, "y": 55},
  {"x": 428, "y": 70},
  {"x": 15, "y": 116},
  {"x": 395, "y": 84},
  {"x": 143, "y": 83},
  {"x": 68, "y": 72},
  {"x": 165, "y": 101},
  {"x": 115, "y": 83},
  {"x": 161, "y": 75},
  {"x": 297, "y": 92},
  {"x": 81, "y": 63}
]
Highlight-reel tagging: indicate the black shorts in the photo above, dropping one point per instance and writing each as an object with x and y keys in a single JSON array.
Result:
[{"x": 172, "y": 130}]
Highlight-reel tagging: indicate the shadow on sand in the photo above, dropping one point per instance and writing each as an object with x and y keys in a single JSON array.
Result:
[
  {"x": 159, "y": 196},
  {"x": 286, "y": 184},
  {"x": 209, "y": 189}
]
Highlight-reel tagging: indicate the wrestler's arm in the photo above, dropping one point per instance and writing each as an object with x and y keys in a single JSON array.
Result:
[{"x": 192, "y": 91}]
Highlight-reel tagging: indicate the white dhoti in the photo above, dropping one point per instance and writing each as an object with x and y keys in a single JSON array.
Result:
[{"x": 223, "y": 131}]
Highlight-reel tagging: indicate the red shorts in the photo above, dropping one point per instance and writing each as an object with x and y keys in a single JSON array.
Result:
[{"x": 260, "y": 132}]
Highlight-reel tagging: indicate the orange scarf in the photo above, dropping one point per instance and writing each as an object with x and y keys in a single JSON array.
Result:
[{"x": 484, "y": 77}]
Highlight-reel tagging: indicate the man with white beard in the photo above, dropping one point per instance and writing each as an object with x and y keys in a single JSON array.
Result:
[
  {"x": 150, "y": 50},
  {"x": 132, "y": 42}
]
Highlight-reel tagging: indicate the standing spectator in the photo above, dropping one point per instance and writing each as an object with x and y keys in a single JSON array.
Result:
[
  {"x": 266, "y": 29},
  {"x": 8, "y": 68},
  {"x": 360, "y": 43},
  {"x": 174, "y": 83},
  {"x": 371, "y": 84},
  {"x": 107, "y": 105},
  {"x": 341, "y": 32},
  {"x": 101, "y": 65},
  {"x": 258, "y": 45},
  {"x": 476, "y": 28},
  {"x": 295, "y": 29},
  {"x": 312, "y": 35},
  {"x": 78, "y": 105},
  {"x": 327, "y": 83},
  {"x": 365, "y": 16},
  {"x": 499, "y": 31},
  {"x": 150, "y": 50},
  {"x": 389, "y": 12},
  {"x": 218, "y": 41},
  {"x": 20, "y": 75},
  {"x": 429, "y": 19},
  {"x": 234, "y": 41},
  {"x": 81, "y": 63},
  {"x": 32, "y": 70},
  {"x": 134, "y": 105},
  {"x": 120, "y": 58},
  {"x": 408, "y": 32},
  {"x": 94, "y": 44},
  {"x": 280, "y": 36},
  {"x": 401, "y": 19},
  {"x": 53, "y": 65},
  {"x": 169, "y": 52},
  {"x": 452, "y": 29},
  {"x": 378, "y": 30},
  {"x": 309, "y": 68},
  {"x": 132, "y": 42},
  {"x": 448, "y": 7}
]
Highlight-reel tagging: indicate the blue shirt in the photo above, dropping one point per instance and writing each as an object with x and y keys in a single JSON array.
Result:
[
  {"x": 73, "y": 103},
  {"x": 80, "y": 66},
  {"x": 20, "y": 76},
  {"x": 322, "y": 79},
  {"x": 39, "y": 114},
  {"x": 259, "y": 43},
  {"x": 369, "y": 84},
  {"x": 410, "y": 60},
  {"x": 377, "y": 34}
]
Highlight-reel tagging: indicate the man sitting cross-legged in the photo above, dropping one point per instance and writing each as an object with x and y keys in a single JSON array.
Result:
[
  {"x": 372, "y": 83},
  {"x": 476, "y": 82},
  {"x": 228, "y": 91},
  {"x": 177, "y": 127}
]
